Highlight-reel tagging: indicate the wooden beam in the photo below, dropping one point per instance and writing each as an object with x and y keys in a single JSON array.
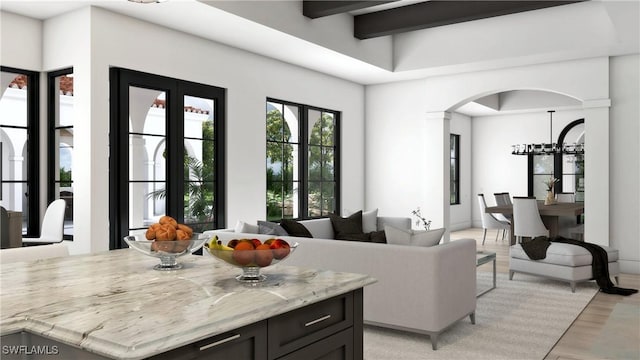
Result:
[
  {"x": 438, "y": 13},
  {"x": 314, "y": 8}
]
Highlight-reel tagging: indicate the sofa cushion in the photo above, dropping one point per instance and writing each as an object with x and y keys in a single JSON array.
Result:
[
  {"x": 320, "y": 228},
  {"x": 370, "y": 221},
  {"x": 345, "y": 226},
  {"x": 271, "y": 228},
  {"x": 564, "y": 254},
  {"x": 294, "y": 228},
  {"x": 415, "y": 238},
  {"x": 243, "y": 227}
]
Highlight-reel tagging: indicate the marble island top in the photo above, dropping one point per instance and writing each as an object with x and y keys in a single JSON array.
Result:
[{"x": 114, "y": 304}]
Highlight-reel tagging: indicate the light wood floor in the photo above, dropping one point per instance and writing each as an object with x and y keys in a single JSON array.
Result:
[{"x": 591, "y": 326}]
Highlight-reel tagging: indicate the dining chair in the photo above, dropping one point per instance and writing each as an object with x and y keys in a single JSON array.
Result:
[
  {"x": 32, "y": 253},
  {"x": 526, "y": 219},
  {"x": 503, "y": 199},
  {"x": 52, "y": 225},
  {"x": 489, "y": 221}
]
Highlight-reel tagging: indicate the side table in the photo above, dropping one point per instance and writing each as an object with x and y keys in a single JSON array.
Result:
[{"x": 483, "y": 257}]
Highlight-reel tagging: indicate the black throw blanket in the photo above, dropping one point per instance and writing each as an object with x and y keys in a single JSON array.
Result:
[{"x": 536, "y": 249}]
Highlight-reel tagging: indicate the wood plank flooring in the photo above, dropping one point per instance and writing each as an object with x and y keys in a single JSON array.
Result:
[{"x": 608, "y": 328}]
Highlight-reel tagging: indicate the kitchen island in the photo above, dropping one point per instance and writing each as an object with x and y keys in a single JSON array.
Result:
[{"x": 114, "y": 305}]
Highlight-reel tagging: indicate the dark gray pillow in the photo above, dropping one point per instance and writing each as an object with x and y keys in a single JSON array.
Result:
[
  {"x": 271, "y": 228},
  {"x": 377, "y": 237},
  {"x": 346, "y": 226},
  {"x": 353, "y": 237},
  {"x": 294, "y": 228}
]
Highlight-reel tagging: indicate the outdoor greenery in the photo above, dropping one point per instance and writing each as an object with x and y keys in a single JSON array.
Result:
[
  {"x": 199, "y": 181},
  {"x": 283, "y": 179}
]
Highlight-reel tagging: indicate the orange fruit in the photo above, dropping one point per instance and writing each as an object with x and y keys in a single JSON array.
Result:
[{"x": 243, "y": 253}]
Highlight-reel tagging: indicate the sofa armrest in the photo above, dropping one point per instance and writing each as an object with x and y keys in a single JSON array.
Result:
[{"x": 418, "y": 288}]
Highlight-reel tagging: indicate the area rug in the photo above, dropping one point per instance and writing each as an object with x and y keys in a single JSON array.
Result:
[{"x": 522, "y": 318}]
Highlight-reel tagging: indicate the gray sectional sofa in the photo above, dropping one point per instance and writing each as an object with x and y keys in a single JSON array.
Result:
[{"x": 418, "y": 289}]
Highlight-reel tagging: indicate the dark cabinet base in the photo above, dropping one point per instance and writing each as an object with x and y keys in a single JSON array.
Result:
[{"x": 327, "y": 330}]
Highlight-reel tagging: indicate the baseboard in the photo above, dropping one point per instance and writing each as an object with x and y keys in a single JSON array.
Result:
[
  {"x": 460, "y": 226},
  {"x": 629, "y": 266}
]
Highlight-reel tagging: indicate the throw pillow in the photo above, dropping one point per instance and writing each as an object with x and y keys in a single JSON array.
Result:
[
  {"x": 294, "y": 228},
  {"x": 349, "y": 225},
  {"x": 415, "y": 238},
  {"x": 427, "y": 238},
  {"x": 378, "y": 237},
  {"x": 243, "y": 227},
  {"x": 353, "y": 237},
  {"x": 271, "y": 228},
  {"x": 370, "y": 221},
  {"x": 396, "y": 236}
]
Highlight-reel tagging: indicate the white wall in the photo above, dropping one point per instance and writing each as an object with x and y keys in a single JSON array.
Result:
[
  {"x": 625, "y": 160},
  {"x": 88, "y": 40}
]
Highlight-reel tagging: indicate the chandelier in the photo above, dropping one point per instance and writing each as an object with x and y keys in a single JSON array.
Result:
[{"x": 549, "y": 148}]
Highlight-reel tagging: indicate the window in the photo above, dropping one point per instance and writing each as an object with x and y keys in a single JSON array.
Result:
[
  {"x": 454, "y": 178},
  {"x": 19, "y": 149},
  {"x": 567, "y": 168},
  {"x": 167, "y": 153},
  {"x": 302, "y": 160},
  {"x": 61, "y": 119}
]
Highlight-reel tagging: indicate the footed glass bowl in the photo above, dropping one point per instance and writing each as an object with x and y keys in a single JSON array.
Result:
[
  {"x": 251, "y": 261},
  {"x": 166, "y": 251}
]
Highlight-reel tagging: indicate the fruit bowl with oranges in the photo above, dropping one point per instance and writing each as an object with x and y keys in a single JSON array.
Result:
[
  {"x": 250, "y": 255},
  {"x": 167, "y": 240}
]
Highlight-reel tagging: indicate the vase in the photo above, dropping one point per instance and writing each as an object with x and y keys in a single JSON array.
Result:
[{"x": 550, "y": 199}]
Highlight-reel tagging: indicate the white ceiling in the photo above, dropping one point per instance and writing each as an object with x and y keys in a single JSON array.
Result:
[{"x": 228, "y": 23}]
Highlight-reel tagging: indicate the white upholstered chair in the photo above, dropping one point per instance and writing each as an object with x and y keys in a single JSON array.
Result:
[
  {"x": 32, "y": 253},
  {"x": 503, "y": 199},
  {"x": 52, "y": 225},
  {"x": 489, "y": 221},
  {"x": 526, "y": 219}
]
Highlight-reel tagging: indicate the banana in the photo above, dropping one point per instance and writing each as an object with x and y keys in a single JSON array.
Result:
[
  {"x": 221, "y": 251},
  {"x": 212, "y": 242}
]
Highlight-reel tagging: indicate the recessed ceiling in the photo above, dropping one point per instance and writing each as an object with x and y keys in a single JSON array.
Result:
[{"x": 382, "y": 18}]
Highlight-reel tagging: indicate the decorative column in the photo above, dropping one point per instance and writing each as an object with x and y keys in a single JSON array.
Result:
[
  {"x": 438, "y": 125},
  {"x": 596, "y": 174}
]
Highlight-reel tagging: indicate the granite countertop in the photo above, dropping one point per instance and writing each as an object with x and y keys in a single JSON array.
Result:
[{"x": 114, "y": 304}]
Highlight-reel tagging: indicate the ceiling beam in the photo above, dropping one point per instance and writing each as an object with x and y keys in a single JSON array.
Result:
[
  {"x": 314, "y": 9},
  {"x": 438, "y": 13}
]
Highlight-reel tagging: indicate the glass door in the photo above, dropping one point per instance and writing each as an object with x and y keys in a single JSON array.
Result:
[
  {"x": 167, "y": 153},
  {"x": 19, "y": 146}
]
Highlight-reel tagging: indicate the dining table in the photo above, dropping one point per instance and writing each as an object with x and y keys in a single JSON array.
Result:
[{"x": 550, "y": 214}]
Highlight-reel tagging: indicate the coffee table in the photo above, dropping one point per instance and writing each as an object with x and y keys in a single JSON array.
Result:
[{"x": 483, "y": 257}]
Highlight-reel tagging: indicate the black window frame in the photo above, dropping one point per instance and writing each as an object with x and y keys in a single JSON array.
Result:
[
  {"x": 33, "y": 150},
  {"x": 51, "y": 144},
  {"x": 454, "y": 188},
  {"x": 303, "y": 160},
  {"x": 175, "y": 89}
]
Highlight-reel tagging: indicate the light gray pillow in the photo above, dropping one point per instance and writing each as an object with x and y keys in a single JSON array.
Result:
[
  {"x": 370, "y": 221},
  {"x": 243, "y": 227},
  {"x": 271, "y": 228},
  {"x": 427, "y": 238},
  {"x": 414, "y": 238},
  {"x": 396, "y": 236}
]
